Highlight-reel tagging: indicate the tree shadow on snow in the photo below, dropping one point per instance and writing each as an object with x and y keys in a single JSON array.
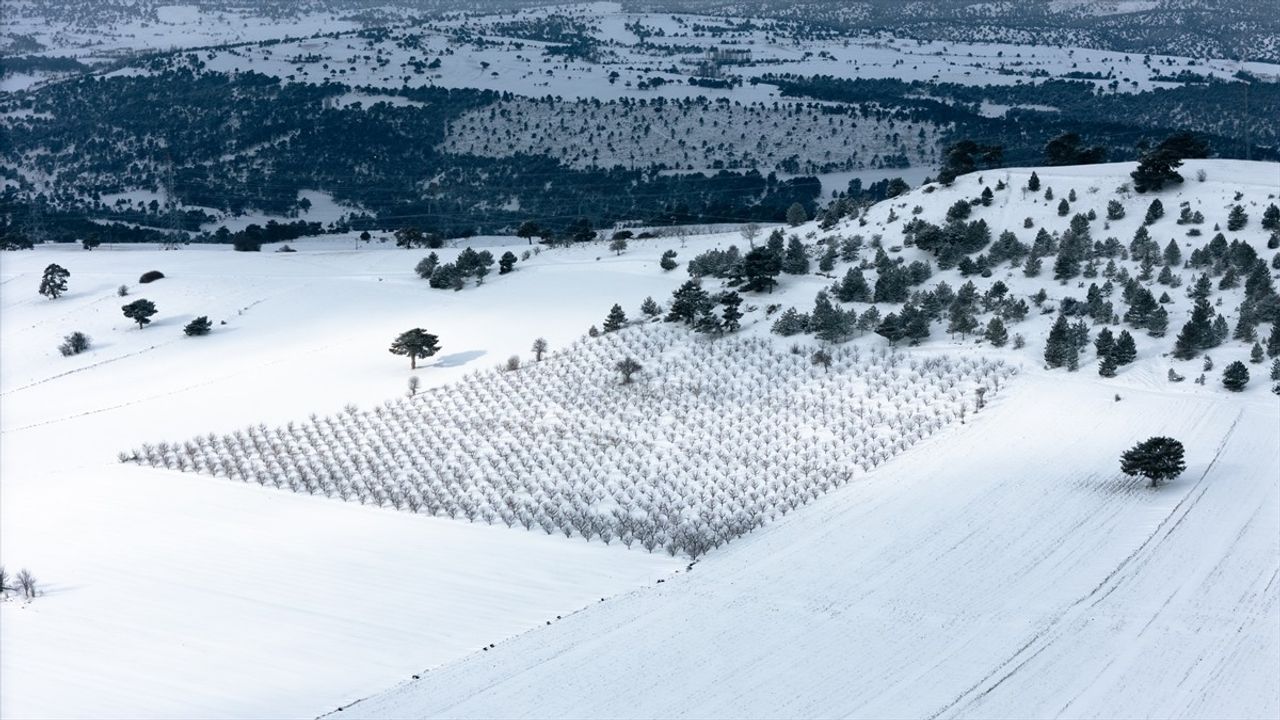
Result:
[{"x": 457, "y": 359}]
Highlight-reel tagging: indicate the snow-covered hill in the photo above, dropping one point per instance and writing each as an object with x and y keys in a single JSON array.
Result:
[{"x": 1000, "y": 568}]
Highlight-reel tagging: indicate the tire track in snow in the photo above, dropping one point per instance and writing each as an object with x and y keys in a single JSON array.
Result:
[{"x": 1125, "y": 569}]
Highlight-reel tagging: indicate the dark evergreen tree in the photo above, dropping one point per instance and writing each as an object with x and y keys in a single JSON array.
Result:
[
  {"x": 54, "y": 281},
  {"x": 199, "y": 326},
  {"x": 1158, "y": 323},
  {"x": 996, "y": 333},
  {"x": 1115, "y": 210},
  {"x": 1033, "y": 183},
  {"x": 1064, "y": 208},
  {"x": 796, "y": 215},
  {"x": 1106, "y": 366},
  {"x": 1235, "y": 377},
  {"x": 1271, "y": 217},
  {"x": 791, "y": 322},
  {"x": 760, "y": 267},
  {"x": 892, "y": 285},
  {"x": 140, "y": 311},
  {"x": 1158, "y": 459},
  {"x": 1256, "y": 355},
  {"x": 616, "y": 320},
  {"x": 732, "y": 314},
  {"x": 1155, "y": 211},
  {"x": 853, "y": 288},
  {"x": 1032, "y": 266},
  {"x": 688, "y": 302},
  {"x": 426, "y": 266},
  {"x": 1156, "y": 169},
  {"x": 891, "y": 329},
  {"x": 1172, "y": 254},
  {"x": 961, "y": 320},
  {"x": 506, "y": 263},
  {"x": 707, "y": 323},
  {"x": 1196, "y": 334},
  {"x": 668, "y": 261},
  {"x": 796, "y": 260},
  {"x": 416, "y": 343},
  {"x": 1125, "y": 350},
  {"x": 73, "y": 344},
  {"x": 828, "y": 322},
  {"x": 650, "y": 307},
  {"x": 1237, "y": 219},
  {"x": 1273, "y": 341},
  {"x": 1104, "y": 343},
  {"x": 1059, "y": 349},
  {"x": 915, "y": 323}
]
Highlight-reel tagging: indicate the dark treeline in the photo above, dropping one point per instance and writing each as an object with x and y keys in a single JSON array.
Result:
[
  {"x": 248, "y": 142},
  {"x": 1116, "y": 121}
]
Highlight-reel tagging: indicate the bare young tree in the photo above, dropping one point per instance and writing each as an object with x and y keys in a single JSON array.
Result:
[
  {"x": 822, "y": 358},
  {"x": 750, "y": 232},
  {"x": 27, "y": 583},
  {"x": 414, "y": 383},
  {"x": 539, "y": 348},
  {"x": 4, "y": 581},
  {"x": 627, "y": 367},
  {"x": 513, "y": 363}
]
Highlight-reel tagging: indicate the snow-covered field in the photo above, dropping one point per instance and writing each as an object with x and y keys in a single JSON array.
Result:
[
  {"x": 999, "y": 568},
  {"x": 1004, "y": 570}
]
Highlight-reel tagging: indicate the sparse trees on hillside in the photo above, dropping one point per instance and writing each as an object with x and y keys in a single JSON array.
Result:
[{"x": 416, "y": 343}]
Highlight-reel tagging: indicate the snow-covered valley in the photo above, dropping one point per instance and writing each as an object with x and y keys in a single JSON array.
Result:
[{"x": 1000, "y": 567}]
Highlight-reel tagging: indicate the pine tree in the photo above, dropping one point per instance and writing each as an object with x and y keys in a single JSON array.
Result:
[
  {"x": 796, "y": 215},
  {"x": 1235, "y": 377},
  {"x": 1255, "y": 354},
  {"x": 1107, "y": 366},
  {"x": 996, "y": 334},
  {"x": 416, "y": 343},
  {"x": 707, "y": 323},
  {"x": 1275, "y": 369},
  {"x": 650, "y": 307},
  {"x": 791, "y": 322},
  {"x": 668, "y": 261},
  {"x": 1155, "y": 211},
  {"x": 915, "y": 323},
  {"x": 891, "y": 329},
  {"x": 1157, "y": 459},
  {"x": 1033, "y": 183},
  {"x": 961, "y": 320},
  {"x": 796, "y": 260},
  {"x": 1172, "y": 254},
  {"x": 869, "y": 320},
  {"x": 828, "y": 261},
  {"x": 1115, "y": 210},
  {"x": 1104, "y": 343},
  {"x": 853, "y": 288},
  {"x": 1064, "y": 208},
  {"x": 506, "y": 263},
  {"x": 1032, "y": 266},
  {"x": 760, "y": 266},
  {"x": 829, "y": 323},
  {"x": 1237, "y": 219},
  {"x": 616, "y": 320},
  {"x": 1158, "y": 322},
  {"x": 1273, "y": 340},
  {"x": 140, "y": 311},
  {"x": 1125, "y": 350},
  {"x": 426, "y": 266},
  {"x": 199, "y": 326},
  {"x": 688, "y": 302},
  {"x": 1271, "y": 217},
  {"x": 1196, "y": 334},
  {"x": 1221, "y": 331},
  {"x": 54, "y": 281},
  {"x": 732, "y": 315}
]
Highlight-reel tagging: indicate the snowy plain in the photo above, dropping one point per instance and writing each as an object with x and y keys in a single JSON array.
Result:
[{"x": 168, "y": 592}]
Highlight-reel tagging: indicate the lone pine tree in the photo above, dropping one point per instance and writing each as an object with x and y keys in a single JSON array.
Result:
[
  {"x": 140, "y": 311},
  {"x": 1157, "y": 459},
  {"x": 616, "y": 320},
  {"x": 416, "y": 343},
  {"x": 1235, "y": 377},
  {"x": 54, "y": 281}
]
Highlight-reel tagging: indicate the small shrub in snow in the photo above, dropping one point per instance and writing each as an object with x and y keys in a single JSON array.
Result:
[
  {"x": 74, "y": 344},
  {"x": 150, "y": 276},
  {"x": 198, "y": 327},
  {"x": 122, "y": 291}
]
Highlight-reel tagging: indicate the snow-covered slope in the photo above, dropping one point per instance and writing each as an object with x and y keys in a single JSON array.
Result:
[
  {"x": 1005, "y": 570},
  {"x": 911, "y": 591}
]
